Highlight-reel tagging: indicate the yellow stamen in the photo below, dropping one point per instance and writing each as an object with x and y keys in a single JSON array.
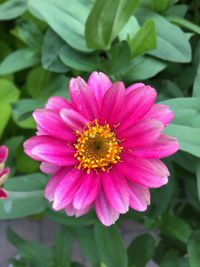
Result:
[{"x": 97, "y": 147}]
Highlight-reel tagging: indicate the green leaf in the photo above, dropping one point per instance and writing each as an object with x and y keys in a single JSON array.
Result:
[
  {"x": 144, "y": 40},
  {"x": 159, "y": 6},
  {"x": 193, "y": 248},
  {"x": 26, "y": 183},
  {"x": 67, "y": 20},
  {"x": 9, "y": 93},
  {"x": 88, "y": 244},
  {"x": 110, "y": 246},
  {"x": 185, "y": 24},
  {"x": 12, "y": 9},
  {"x": 172, "y": 42},
  {"x": 188, "y": 137},
  {"x": 62, "y": 247},
  {"x": 19, "y": 60},
  {"x": 140, "y": 257},
  {"x": 130, "y": 29},
  {"x": 196, "y": 86},
  {"x": 175, "y": 227},
  {"x": 144, "y": 68},
  {"x": 22, "y": 204},
  {"x": 29, "y": 33},
  {"x": 198, "y": 179},
  {"x": 22, "y": 112},
  {"x": 186, "y": 110},
  {"x": 50, "y": 52},
  {"x": 77, "y": 60},
  {"x": 106, "y": 20}
]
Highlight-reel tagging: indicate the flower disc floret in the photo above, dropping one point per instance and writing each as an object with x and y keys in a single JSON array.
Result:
[{"x": 97, "y": 147}]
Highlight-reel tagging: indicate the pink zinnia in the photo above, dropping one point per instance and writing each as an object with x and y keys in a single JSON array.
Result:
[
  {"x": 103, "y": 148},
  {"x": 3, "y": 172}
]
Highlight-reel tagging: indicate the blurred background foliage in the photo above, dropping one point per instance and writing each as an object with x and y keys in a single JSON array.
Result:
[{"x": 42, "y": 45}]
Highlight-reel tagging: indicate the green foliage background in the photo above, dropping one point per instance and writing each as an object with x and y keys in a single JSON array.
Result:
[{"x": 45, "y": 42}]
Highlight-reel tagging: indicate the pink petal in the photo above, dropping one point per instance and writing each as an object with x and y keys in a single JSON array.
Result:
[
  {"x": 54, "y": 182},
  {"x": 70, "y": 210},
  {"x": 67, "y": 189},
  {"x": 151, "y": 173},
  {"x": 51, "y": 123},
  {"x": 48, "y": 168},
  {"x": 163, "y": 147},
  {"x": 82, "y": 211},
  {"x": 88, "y": 190},
  {"x": 133, "y": 87},
  {"x": 160, "y": 112},
  {"x": 99, "y": 83},
  {"x": 116, "y": 191},
  {"x": 106, "y": 214},
  {"x": 56, "y": 153},
  {"x": 139, "y": 196},
  {"x": 136, "y": 105},
  {"x": 57, "y": 103},
  {"x": 112, "y": 103},
  {"x": 3, "y": 194},
  {"x": 73, "y": 119},
  {"x": 83, "y": 98},
  {"x": 141, "y": 134},
  {"x": 3, "y": 153},
  {"x": 34, "y": 141}
]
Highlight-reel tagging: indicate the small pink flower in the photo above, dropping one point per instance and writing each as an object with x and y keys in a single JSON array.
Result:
[
  {"x": 3, "y": 172},
  {"x": 103, "y": 148}
]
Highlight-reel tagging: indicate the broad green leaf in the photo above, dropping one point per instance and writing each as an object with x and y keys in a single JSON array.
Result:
[
  {"x": 9, "y": 94},
  {"x": 175, "y": 262},
  {"x": 12, "y": 9},
  {"x": 22, "y": 112},
  {"x": 77, "y": 60},
  {"x": 119, "y": 59},
  {"x": 22, "y": 204},
  {"x": 193, "y": 248},
  {"x": 26, "y": 183},
  {"x": 186, "y": 110},
  {"x": 172, "y": 43},
  {"x": 144, "y": 40},
  {"x": 167, "y": 90},
  {"x": 67, "y": 20},
  {"x": 19, "y": 60},
  {"x": 87, "y": 242},
  {"x": 196, "y": 86},
  {"x": 25, "y": 164},
  {"x": 159, "y": 6},
  {"x": 106, "y": 20},
  {"x": 61, "y": 250},
  {"x": 185, "y": 24},
  {"x": 110, "y": 246},
  {"x": 188, "y": 137},
  {"x": 198, "y": 179},
  {"x": 130, "y": 29},
  {"x": 177, "y": 10},
  {"x": 175, "y": 227},
  {"x": 144, "y": 68},
  {"x": 141, "y": 250},
  {"x": 29, "y": 33},
  {"x": 50, "y": 52}
]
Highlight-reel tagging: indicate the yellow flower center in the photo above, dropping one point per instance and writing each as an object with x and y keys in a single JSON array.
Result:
[{"x": 97, "y": 147}]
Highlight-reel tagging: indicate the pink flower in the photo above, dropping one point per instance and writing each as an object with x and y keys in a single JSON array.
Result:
[
  {"x": 103, "y": 148},
  {"x": 3, "y": 172}
]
